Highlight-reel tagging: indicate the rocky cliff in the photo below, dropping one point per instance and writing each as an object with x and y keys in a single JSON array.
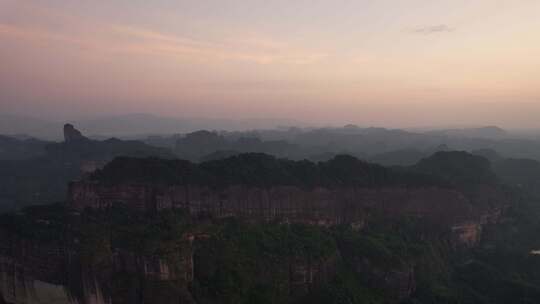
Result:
[
  {"x": 27, "y": 264},
  {"x": 36, "y": 271},
  {"x": 253, "y": 227},
  {"x": 344, "y": 190},
  {"x": 71, "y": 134},
  {"x": 320, "y": 206}
]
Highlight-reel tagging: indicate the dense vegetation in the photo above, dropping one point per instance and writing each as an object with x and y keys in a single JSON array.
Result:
[
  {"x": 239, "y": 262},
  {"x": 262, "y": 170},
  {"x": 459, "y": 168}
]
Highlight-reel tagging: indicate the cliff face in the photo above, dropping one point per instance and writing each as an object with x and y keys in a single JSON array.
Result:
[
  {"x": 71, "y": 134},
  {"x": 30, "y": 269},
  {"x": 295, "y": 259},
  {"x": 33, "y": 254},
  {"x": 18, "y": 285},
  {"x": 467, "y": 233},
  {"x": 319, "y": 206},
  {"x": 26, "y": 265},
  {"x": 383, "y": 224},
  {"x": 463, "y": 215}
]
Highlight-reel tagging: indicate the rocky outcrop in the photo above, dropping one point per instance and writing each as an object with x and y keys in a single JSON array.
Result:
[
  {"x": 145, "y": 277},
  {"x": 18, "y": 285},
  {"x": 463, "y": 216},
  {"x": 467, "y": 234},
  {"x": 319, "y": 206},
  {"x": 32, "y": 254},
  {"x": 157, "y": 268},
  {"x": 491, "y": 206},
  {"x": 28, "y": 266},
  {"x": 282, "y": 195},
  {"x": 71, "y": 134}
]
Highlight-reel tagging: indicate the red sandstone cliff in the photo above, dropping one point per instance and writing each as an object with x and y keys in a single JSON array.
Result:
[
  {"x": 463, "y": 215},
  {"x": 320, "y": 206}
]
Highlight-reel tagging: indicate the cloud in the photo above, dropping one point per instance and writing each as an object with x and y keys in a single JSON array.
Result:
[
  {"x": 39, "y": 35},
  {"x": 52, "y": 27},
  {"x": 251, "y": 49},
  {"x": 433, "y": 29},
  {"x": 136, "y": 40}
]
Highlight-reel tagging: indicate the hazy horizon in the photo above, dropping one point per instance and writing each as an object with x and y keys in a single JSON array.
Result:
[
  {"x": 395, "y": 64},
  {"x": 244, "y": 122}
]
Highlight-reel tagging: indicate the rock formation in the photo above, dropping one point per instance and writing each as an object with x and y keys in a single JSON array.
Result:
[
  {"x": 319, "y": 206},
  {"x": 71, "y": 134},
  {"x": 25, "y": 263},
  {"x": 362, "y": 191}
]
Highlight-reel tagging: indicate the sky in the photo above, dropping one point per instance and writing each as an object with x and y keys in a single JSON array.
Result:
[{"x": 394, "y": 63}]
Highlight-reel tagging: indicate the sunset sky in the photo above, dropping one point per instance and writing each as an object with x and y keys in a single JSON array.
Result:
[{"x": 382, "y": 62}]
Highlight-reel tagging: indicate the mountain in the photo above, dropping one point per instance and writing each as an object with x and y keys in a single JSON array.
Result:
[
  {"x": 203, "y": 144},
  {"x": 482, "y": 132},
  {"x": 297, "y": 143},
  {"x": 253, "y": 228},
  {"x": 258, "y": 169},
  {"x": 147, "y": 124},
  {"x": 458, "y": 167},
  {"x": 30, "y": 126},
  {"x": 12, "y": 148},
  {"x": 131, "y": 125},
  {"x": 42, "y": 177}
]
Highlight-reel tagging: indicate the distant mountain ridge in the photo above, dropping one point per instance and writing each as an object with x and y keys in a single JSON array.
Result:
[
  {"x": 480, "y": 132},
  {"x": 131, "y": 125},
  {"x": 42, "y": 175},
  {"x": 20, "y": 148},
  {"x": 387, "y": 146}
]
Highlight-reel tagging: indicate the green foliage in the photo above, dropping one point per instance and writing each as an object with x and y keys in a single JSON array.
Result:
[
  {"x": 241, "y": 262},
  {"x": 261, "y": 170},
  {"x": 45, "y": 223},
  {"x": 244, "y": 263},
  {"x": 161, "y": 234},
  {"x": 521, "y": 173},
  {"x": 500, "y": 270},
  {"x": 346, "y": 287},
  {"x": 459, "y": 168}
]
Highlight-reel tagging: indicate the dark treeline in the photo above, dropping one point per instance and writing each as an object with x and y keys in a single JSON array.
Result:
[{"x": 264, "y": 170}]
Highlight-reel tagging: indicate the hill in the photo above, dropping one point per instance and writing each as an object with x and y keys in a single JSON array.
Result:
[{"x": 43, "y": 178}]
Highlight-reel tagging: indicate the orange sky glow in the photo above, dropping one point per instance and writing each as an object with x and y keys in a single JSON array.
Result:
[{"x": 386, "y": 63}]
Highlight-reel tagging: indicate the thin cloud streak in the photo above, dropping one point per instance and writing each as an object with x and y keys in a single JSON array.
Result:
[
  {"x": 433, "y": 29},
  {"x": 261, "y": 51},
  {"x": 146, "y": 41},
  {"x": 37, "y": 35},
  {"x": 85, "y": 32}
]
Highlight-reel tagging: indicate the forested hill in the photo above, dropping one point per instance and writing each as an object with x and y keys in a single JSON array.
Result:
[
  {"x": 458, "y": 167},
  {"x": 265, "y": 170}
]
